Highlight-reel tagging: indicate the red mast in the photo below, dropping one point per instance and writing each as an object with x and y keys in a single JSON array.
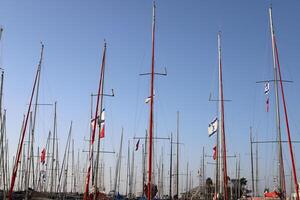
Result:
[
  {"x": 86, "y": 191},
  {"x": 15, "y": 169},
  {"x": 287, "y": 121},
  {"x": 151, "y": 106}
]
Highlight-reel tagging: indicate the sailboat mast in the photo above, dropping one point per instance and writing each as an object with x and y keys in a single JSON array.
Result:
[
  {"x": 252, "y": 164},
  {"x": 285, "y": 109},
  {"x": 151, "y": 107},
  {"x": 87, "y": 182},
  {"x": 53, "y": 149},
  {"x": 223, "y": 139},
  {"x": 177, "y": 157},
  {"x": 278, "y": 125},
  {"x": 171, "y": 152},
  {"x": 15, "y": 168},
  {"x": 98, "y": 120}
]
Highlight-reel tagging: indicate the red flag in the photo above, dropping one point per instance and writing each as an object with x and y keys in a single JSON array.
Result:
[
  {"x": 102, "y": 131},
  {"x": 102, "y": 124},
  {"x": 43, "y": 156},
  {"x": 215, "y": 152},
  {"x": 267, "y": 104},
  {"x": 137, "y": 145}
]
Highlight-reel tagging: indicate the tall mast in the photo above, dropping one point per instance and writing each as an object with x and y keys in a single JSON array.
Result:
[
  {"x": 73, "y": 169},
  {"x": 171, "y": 152},
  {"x": 177, "y": 157},
  {"x": 15, "y": 168},
  {"x": 275, "y": 53},
  {"x": 252, "y": 165},
  {"x": 100, "y": 89},
  {"x": 223, "y": 139},
  {"x": 44, "y": 185},
  {"x": 53, "y": 149},
  {"x": 151, "y": 107},
  {"x": 203, "y": 172},
  {"x": 65, "y": 159},
  {"x": 99, "y": 119},
  {"x": 31, "y": 160},
  {"x": 117, "y": 174},
  {"x": 128, "y": 168},
  {"x": 256, "y": 170},
  {"x": 278, "y": 125}
]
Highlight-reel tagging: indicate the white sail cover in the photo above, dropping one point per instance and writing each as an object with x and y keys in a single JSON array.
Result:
[{"x": 213, "y": 127}]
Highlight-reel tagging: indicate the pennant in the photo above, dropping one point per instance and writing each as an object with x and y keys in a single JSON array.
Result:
[
  {"x": 267, "y": 104},
  {"x": 43, "y": 156},
  {"x": 267, "y": 88},
  {"x": 137, "y": 145},
  {"x": 213, "y": 127},
  {"x": 215, "y": 152}
]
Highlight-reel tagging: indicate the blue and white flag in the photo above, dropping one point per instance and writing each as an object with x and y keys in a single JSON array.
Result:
[
  {"x": 213, "y": 127},
  {"x": 267, "y": 88}
]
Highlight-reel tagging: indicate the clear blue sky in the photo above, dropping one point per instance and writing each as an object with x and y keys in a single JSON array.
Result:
[{"x": 73, "y": 34}]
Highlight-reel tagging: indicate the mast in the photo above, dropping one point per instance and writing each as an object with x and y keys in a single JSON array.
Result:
[
  {"x": 4, "y": 161},
  {"x": 187, "y": 179},
  {"x": 117, "y": 174},
  {"x": 73, "y": 169},
  {"x": 256, "y": 171},
  {"x": 99, "y": 123},
  {"x": 31, "y": 160},
  {"x": 151, "y": 107},
  {"x": 143, "y": 169},
  {"x": 278, "y": 125},
  {"x": 100, "y": 89},
  {"x": 285, "y": 109},
  {"x": 252, "y": 165},
  {"x": 53, "y": 149},
  {"x": 44, "y": 186},
  {"x": 65, "y": 186},
  {"x": 56, "y": 161},
  {"x": 171, "y": 152},
  {"x": 66, "y": 157},
  {"x": 27, "y": 173},
  {"x": 15, "y": 168},
  {"x": 203, "y": 172},
  {"x": 128, "y": 168},
  {"x": 177, "y": 157},
  {"x": 131, "y": 175},
  {"x": 223, "y": 139}
]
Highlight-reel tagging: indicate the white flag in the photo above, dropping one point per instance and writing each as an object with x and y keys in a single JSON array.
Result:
[
  {"x": 213, "y": 127},
  {"x": 267, "y": 88},
  {"x": 147, "y": 100}
]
